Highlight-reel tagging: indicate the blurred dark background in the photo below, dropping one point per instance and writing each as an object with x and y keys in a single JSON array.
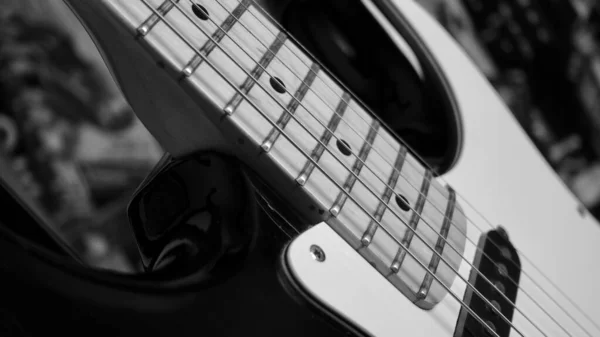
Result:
[
  {"x": 79, "y": 151},
  {"x": 68, "y": 133}
]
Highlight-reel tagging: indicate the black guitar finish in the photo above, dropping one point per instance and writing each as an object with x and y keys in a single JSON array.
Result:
[{"x": 42, "y": 292}]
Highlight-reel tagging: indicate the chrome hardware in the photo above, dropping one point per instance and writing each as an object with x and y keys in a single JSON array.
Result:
[
  {"x": 164, "y": 8},
  {"x": 317, "y": 253}
]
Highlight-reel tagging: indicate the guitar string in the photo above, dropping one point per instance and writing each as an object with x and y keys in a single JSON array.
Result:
[
  {"x": 285, "y": 135},
  {"x": 357, "y": 177},
  {"x": 418, "y": 215},
  {"x": 566, "y": 312}
]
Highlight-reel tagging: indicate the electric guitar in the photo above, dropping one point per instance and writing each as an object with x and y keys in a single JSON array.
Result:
[{"x": 464, "y": 231}]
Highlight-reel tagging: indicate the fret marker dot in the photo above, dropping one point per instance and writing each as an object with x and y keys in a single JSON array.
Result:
[
  {"x": 402, "y": 203},
  {"x": 277, "y": 84},
  {"x": 200, "y": 12},
  {"x": 343, "y": 147}
]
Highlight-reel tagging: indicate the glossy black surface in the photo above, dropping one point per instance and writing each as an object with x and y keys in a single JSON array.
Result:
[
  {"x": 45, "y": 293},
  {"x": 196, "y": 217}
]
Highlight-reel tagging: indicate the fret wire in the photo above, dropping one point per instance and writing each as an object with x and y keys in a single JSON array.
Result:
[
  {"x": 150, "y": 22},
  {"x": 414, "y": 221},
  {"x": 439, "y": 246},
  {"x": 387, "y": 195},
  {"x": 325, "y": 138},
  {"x": 356, "y": 168},
  {"x": 255, "y": 74},
  {"x": 333, "y": 181},
  {"x": 217, "y": 36},
  {"x": 292, "y": 106},
  {"x": 468, "y": 219}
]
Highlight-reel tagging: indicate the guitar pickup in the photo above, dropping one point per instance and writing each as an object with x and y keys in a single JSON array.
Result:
[{"x": 498, "y": 261}]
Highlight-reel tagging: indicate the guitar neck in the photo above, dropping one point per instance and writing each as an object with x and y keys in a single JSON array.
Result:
[{"x": 306, "y": 135}]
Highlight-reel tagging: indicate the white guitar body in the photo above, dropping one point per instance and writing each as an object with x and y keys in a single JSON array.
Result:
[{"x": 499, "y": 172}]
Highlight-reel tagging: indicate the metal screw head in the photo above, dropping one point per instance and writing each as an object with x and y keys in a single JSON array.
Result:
[{"x": 317, "y": 253}]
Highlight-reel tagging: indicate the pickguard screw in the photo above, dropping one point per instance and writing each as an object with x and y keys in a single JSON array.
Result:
[{"x": 317, "y": 253}]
